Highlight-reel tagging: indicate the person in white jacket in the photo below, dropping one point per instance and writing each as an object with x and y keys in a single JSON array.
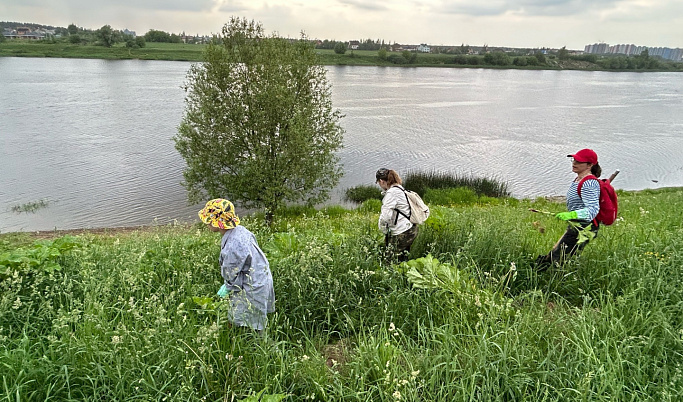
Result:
[{"x": 394, "y": 219}]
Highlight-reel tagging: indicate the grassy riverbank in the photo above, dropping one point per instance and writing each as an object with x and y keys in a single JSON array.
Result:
[
  {"x": 152, "y": 51},
  {"x": 132, "y": 315},
  {"x": 190, "y": 52}
]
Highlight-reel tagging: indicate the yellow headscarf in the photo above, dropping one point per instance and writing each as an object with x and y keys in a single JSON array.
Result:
[{"x": 219, "y": 213}]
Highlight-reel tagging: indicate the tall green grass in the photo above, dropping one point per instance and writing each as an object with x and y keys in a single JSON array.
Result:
[
  {"x": 441, "y": 188},
  {"x": 115, "y": 318},
  {"x": 421, "y": 181}
]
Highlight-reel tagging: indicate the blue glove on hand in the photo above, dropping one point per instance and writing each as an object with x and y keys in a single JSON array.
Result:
[
  {"x": 567, "y": 216},
  {"x": 223, "y": 292}
]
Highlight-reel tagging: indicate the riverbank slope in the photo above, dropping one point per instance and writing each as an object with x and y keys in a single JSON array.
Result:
[{"x": 134, "y": 315}]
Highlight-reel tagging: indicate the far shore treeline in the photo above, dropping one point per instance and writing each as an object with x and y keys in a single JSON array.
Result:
[{"x": 108, "y": 43}]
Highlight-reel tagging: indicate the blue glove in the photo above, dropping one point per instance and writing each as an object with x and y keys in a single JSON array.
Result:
[
  {"x": 223, "y": 292},
  {"x": 567, "y": 216}
]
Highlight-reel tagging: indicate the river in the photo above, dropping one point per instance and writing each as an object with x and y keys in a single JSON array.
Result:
[{"x": 93, "y": 138}]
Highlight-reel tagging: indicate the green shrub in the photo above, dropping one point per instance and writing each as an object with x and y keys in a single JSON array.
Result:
[{"x": 361, "y": 193}]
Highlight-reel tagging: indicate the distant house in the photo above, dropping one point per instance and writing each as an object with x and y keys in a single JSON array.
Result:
[
  {"x": 423, "y": 48},
  {"x": 354, "y": 44},
  {"x": 399, "y": 48},
  {"x": 23, "y": 33}
]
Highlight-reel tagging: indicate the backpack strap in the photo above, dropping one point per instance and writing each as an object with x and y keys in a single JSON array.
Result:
[
  {"x": 578, "y": 190},
  {"x": 398, "y": 211}
]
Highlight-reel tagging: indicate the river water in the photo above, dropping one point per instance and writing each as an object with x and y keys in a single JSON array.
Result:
[{"x": 94, "y": 137}]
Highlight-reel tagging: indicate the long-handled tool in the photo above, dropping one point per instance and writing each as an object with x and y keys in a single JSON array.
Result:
[{"x": 611, "y": 178}]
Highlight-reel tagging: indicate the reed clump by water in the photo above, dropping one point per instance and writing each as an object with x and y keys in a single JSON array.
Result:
[
  {"x": 447, "y": 188},
  {"x": 135, "y": 317},
  {"x": 421, "y": 181}
]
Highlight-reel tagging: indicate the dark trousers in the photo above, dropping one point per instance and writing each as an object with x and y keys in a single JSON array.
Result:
[
  {"x": 398, "y": 247},
  {"x": 567, "y": 246}
]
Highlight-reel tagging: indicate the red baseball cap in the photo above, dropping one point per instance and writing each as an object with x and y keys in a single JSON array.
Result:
[{"x": 585, "y": 155}]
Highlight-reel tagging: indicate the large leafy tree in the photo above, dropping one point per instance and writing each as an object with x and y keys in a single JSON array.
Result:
[
  {"x": 72, "y": 28},
  {"x": 106, "y": 35},
  {"x": 259, "y": 127}
]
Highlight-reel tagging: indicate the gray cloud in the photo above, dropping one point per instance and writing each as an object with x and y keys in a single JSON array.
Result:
[
  {"x": 365, "y": 5},
  {"x": 146, "y": 5},
  {"x": 232, "y": 6},
  {"x": 523, "y": 7}
]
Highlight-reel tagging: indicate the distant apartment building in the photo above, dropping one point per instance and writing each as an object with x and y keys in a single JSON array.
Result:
[
  {"x": 633, "y": 50},
  {"x": 597, "y": 48}
]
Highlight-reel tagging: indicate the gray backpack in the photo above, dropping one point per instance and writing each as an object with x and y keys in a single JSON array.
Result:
[{"x": 419, "y": 211}]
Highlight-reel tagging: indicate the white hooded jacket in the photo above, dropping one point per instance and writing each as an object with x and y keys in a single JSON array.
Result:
[{"x": 390, "y": 221}]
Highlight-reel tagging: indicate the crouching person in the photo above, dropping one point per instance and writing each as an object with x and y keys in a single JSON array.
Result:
[{"x": 247, "y": 281}]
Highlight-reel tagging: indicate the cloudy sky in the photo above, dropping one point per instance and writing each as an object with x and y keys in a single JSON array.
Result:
[{"x": 514, "y": 23}]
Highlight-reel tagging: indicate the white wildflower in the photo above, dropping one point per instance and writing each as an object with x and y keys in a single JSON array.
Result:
[{"x": 17, "y": 303}]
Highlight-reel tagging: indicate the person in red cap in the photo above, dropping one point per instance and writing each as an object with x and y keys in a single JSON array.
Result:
[{"x": 582, "y": 209}]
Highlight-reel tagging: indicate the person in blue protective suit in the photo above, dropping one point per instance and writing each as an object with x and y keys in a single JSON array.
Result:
[
  {"x": 247, "y": 280},
  {"x": 581, "y": 209}
]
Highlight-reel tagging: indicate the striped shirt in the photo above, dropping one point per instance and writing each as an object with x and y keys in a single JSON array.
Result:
[{"x": 588, "y": 205}]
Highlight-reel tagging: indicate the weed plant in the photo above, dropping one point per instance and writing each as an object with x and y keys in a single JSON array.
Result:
[
  {"x": 30, "y": 207},
  {"x": 134, "y": 316}
]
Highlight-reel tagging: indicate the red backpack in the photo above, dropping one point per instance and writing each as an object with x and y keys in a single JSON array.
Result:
[{"x": 608, "y": 200}]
